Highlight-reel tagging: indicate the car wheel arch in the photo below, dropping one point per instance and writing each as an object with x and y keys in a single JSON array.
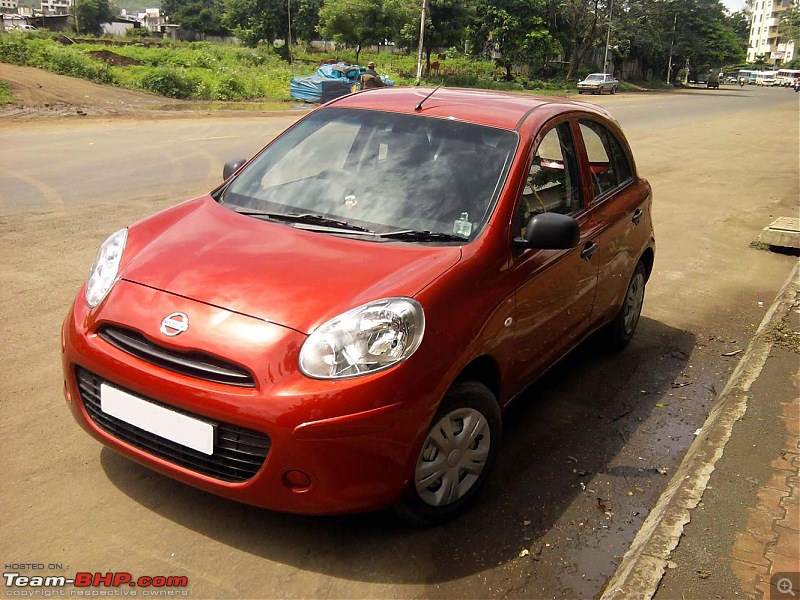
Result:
[
  {"x": 648, "y": 259},
  {"x": 484, "y": 370}
]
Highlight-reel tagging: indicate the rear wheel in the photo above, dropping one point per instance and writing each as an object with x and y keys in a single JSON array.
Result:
[
  {"x": 456, "y": 456},
  {"x": 622, "y": 328}
]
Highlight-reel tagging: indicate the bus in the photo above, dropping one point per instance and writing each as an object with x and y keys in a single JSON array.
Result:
[
  {"x": 766, "y": 79},
  {"x": 746, "y": 76},
  {"x": 786, "y": 77}
]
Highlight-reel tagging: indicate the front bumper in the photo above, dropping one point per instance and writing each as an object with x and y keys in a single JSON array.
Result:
[{"x": 356, "y": 440}]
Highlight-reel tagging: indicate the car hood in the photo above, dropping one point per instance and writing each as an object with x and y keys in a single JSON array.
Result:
[{"x": 271, "y": 271}]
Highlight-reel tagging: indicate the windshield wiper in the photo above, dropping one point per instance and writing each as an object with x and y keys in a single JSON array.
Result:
[
  {"x": 411, "y": 235},
  {"x": 305, "y": 218}
]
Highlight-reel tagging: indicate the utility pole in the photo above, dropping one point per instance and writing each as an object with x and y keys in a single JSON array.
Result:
[
  {"x": 421, "y": 40},
  {"x": 289, "y": 30},
  {"x": 671, "y": 46},
  {"x": 608, "y": 36}
]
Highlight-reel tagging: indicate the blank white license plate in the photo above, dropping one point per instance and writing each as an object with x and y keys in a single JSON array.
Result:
[{"x": 158, "y": 420}]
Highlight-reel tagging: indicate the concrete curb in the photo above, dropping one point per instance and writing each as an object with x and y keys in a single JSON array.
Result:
[{"x": 643, "y": 565}]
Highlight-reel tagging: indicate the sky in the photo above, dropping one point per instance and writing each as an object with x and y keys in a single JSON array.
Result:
[{"x": 734, "y": 5}]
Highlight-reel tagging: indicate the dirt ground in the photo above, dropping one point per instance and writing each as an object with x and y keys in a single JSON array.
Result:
[{"x": 40, "y": 93}]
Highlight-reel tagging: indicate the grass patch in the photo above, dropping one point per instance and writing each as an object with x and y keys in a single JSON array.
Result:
[
  {"x": 212, "y": 72},
  {"x": 6, "y": 97}
]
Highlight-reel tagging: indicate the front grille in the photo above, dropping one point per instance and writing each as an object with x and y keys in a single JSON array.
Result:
[
  {"x": 194, "y": 364},
  {"x": 238, "y": 452}
]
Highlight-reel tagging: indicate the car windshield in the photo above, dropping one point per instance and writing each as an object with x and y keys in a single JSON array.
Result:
[
  {"x": 363, "y": 172},
  {"x": 595, "y": 77}
]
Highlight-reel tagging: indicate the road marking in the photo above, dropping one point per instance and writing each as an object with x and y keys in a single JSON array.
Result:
[
  {"x": 216, "y": 137},
  {"x": 53, "y": 197}
]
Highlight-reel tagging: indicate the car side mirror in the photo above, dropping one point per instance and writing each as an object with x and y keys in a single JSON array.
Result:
[
  {"x": 231, "y": 167},
  {"x": 550, "y": 231}
]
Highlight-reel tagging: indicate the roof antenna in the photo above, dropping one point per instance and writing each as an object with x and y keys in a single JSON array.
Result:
[{"x": 418, "y": 107}]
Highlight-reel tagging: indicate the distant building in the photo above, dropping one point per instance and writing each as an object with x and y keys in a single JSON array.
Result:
[
  {"x": 9, "y": 6},
  {"x": 766, "y": 35},
  {"x": 55, "y": 7}
]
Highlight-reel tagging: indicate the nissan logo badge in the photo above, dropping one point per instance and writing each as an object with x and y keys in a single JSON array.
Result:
[{"x": 174, "y": 324}]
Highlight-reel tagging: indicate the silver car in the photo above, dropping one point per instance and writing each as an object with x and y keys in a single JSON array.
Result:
[{"x": 597, "y": 83}]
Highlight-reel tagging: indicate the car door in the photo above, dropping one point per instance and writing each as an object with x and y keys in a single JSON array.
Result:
[
  {"x": 554, "y": 288},
  {"x": 620, "y": 203}
]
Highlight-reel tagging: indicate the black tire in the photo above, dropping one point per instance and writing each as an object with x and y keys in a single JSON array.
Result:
[
  {"x": 472, "y": 407},
  {"x": 620, "y": 331},
  {"x": 599, "y": 90},
  {"x": 613, "y": 90}
]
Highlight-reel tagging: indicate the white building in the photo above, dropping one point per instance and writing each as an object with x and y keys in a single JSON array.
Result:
[
  {"x": 9, "y": 6},
  {"x": 764, "y": 33},
  {"x": 55, "y": 7}
]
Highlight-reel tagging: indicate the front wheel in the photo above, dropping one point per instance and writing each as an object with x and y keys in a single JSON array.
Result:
[
  {"x": 622, "y": 328},
  {"x": 599, "y": 90},
  {"x": 456, "y": 456}
]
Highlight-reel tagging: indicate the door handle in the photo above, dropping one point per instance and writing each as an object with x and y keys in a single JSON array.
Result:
[
  {"x": 637, "y": 216},
  {"x": 588, "y": 250}
]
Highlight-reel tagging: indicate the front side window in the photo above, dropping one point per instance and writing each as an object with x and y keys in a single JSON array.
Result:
[
  {"x": 553, "y": 181},
  {"x": 608, "y": 163},
  {"x": 384, "y": 172}
]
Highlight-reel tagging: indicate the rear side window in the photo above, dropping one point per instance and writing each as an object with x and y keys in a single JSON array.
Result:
[{"x": 609, "y": 165}]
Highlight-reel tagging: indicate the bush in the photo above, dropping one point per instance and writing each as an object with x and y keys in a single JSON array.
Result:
[
  {"x": 6, "y": 97},
  {"x": 137, "y": 32},
  {"x": 169, "y": 82},
  {"x": 44, "y": 53}
]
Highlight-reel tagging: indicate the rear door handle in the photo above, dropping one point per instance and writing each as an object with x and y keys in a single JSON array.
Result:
[
  {"x": 637, "y": 216},
  {"x": 588, "y": 250}
]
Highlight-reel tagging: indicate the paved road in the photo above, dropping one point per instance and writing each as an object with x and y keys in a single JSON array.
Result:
[{"x": 584, "y": 453}]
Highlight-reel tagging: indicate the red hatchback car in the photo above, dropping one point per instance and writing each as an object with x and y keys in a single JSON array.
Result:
[{"x": 338, "y": 326}]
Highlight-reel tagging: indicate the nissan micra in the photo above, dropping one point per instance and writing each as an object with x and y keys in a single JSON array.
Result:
[{"x": 339, "y": 326}]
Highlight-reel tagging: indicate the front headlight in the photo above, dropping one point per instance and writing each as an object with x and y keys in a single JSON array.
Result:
[
  {"x": 105, "y": 267},
  {"x": 366, "y": 339}
]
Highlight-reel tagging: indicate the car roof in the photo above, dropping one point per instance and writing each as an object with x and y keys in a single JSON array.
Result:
[{"x": 506, "y": 110}]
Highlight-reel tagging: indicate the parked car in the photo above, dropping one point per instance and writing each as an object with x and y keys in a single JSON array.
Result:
[
  {"x": 597, "y": 83},
  {"x": 339, "y": 325}
]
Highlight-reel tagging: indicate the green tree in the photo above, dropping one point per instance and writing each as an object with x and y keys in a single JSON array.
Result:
[
  {"x": 579, "y": 25},
  {"x": 354, "y": 23},
  {"x": 740, "y": 23},
  {"x": 512, "y": 32},
  {"x": 305, "y": 19},
  {"x": 255, "y": 20},
  {"x": 89, "y": 15},
  {"x": 698, "y": 31},
  {"x": 789, "y": 24},
  {"x": 201, "y": 16},
  {"x": 445, "y": 24}
]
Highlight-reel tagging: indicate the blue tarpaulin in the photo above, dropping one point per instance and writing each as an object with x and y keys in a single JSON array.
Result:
[{"x": 329, "y": 82}]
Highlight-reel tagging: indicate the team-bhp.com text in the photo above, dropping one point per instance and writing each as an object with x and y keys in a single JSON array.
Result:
[{"x": 95, "y": 584}]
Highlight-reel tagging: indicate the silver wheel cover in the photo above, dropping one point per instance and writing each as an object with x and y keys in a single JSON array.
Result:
[
  {"x": 633, "y": 303},
  {"x": 453, "y": 457}
]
